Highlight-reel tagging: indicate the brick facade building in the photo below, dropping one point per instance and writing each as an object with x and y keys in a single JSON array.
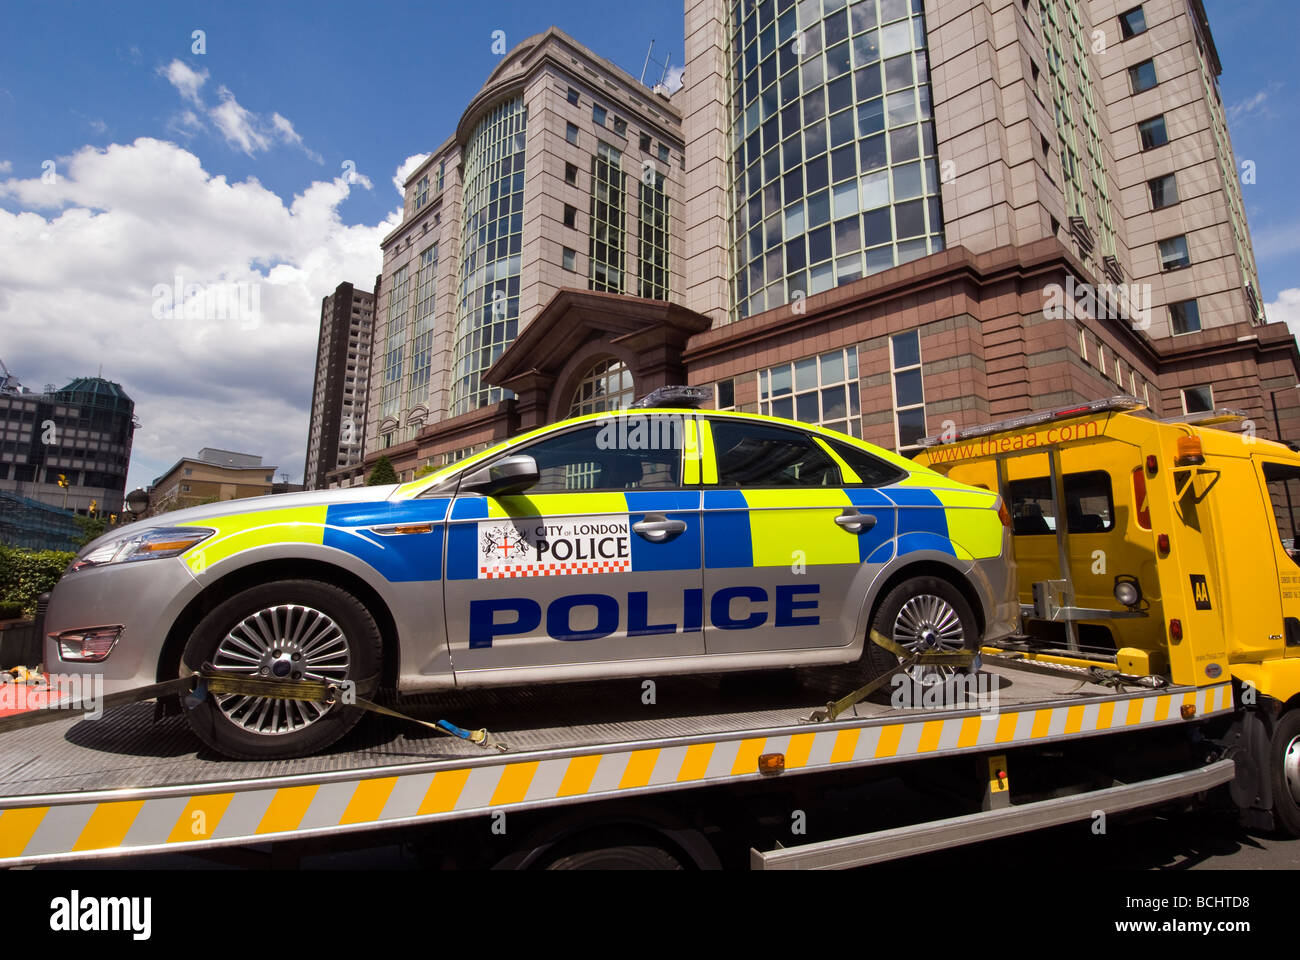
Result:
[{"x": 885, "y": 216}]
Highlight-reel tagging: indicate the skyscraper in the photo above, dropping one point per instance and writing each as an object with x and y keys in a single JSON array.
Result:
[
  {"x": 1078, "y": 147},
  {"x": 564, "y": 172},
  {"x": 335, "y": 429}
]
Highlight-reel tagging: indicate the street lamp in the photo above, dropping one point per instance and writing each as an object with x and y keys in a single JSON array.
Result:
[{"x": 137, "y": 501}]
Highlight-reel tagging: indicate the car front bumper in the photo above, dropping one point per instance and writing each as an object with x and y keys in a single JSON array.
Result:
[{"x": 143, "y": 598}]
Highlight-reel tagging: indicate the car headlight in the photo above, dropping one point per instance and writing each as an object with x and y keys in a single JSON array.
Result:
[{"x": 146, "y": 545}]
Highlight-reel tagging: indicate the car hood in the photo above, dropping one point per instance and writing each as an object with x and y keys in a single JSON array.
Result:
[{"x": 228, "y": 508}]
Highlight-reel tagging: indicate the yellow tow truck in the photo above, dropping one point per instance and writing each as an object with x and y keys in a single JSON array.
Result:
[{"x": 1164, "y": 550}]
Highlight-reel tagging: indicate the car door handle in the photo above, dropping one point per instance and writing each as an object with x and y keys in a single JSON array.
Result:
[
  {"x": 854, "y": 521},
  {"x": 657, "y": 528}
]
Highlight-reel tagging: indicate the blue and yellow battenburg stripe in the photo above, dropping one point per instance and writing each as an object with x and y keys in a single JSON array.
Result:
[
  {"x": 403, "y": 539},
  {"x": 400, "y": 557}
]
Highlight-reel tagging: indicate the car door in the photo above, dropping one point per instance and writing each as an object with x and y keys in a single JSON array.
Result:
[
  {"x": 598, "y": 562},
  {"x": 788, "y": 527}
]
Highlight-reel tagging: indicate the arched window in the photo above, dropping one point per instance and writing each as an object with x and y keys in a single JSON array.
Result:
[{"x": 606, "y": 386}]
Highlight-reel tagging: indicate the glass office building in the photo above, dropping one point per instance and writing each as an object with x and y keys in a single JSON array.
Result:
[
  {"x": 487, "y": 318},
  {"x": 833, "y": 168}
]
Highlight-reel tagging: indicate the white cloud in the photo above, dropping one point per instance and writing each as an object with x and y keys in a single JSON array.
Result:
[
  {"x": 286, "y": 130},
  {"x": 242, "y": 128},
  {"x": 404, "y": 170},
  {"x": 185, "y": 124},
  {"x": 80, "y": 260},
  {"x": 1256, "y": 105},
  {"x": 1285, "y": 309},
  {"x": 675, "y": 78},
  {"x": 237, "y": 125},
  {"x": 291, "y": 136},
  {"x": 1273, "y": 242},
  {"x": 186, "y": 80},
  {"x": 6, "y": 166}
]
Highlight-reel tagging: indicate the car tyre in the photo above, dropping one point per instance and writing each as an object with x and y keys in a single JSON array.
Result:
[
  {"x": 907, "y": 607},
  {"x": 295, "y": 629}
]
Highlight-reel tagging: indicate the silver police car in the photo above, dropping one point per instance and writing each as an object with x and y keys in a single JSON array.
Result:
[{"x": 634, "y": 543}]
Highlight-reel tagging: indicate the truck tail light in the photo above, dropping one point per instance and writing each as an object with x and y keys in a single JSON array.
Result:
[
  {"x": 1153, "y": 465},
  {"x": 1162, "y": 544},
  {"x": 1140, "y": 499},
  {"x": 1176, "y": 631}
]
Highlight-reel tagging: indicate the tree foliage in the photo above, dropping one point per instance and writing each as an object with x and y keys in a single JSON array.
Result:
[
  {"x": 26, "y": 574},
  {"x": 91, "y": 529},
  {"x": 382, "y": 474}
]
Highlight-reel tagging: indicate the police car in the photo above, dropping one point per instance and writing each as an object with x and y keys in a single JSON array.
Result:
[{"x": 649, "y": 541}]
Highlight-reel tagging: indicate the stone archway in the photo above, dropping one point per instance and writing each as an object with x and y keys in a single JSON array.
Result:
[{"x": 578, "y": 329}]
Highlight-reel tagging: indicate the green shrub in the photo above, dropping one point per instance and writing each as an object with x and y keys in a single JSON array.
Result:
[
  {"x": 26, "y": 574},
  {"x": 10, "y": 611},
  {"x": 383, "y": 473}
]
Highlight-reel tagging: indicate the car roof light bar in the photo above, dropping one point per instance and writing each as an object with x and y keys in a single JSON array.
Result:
[
  {"x": 1208, "y": 418},
  {"x": 1120, "y": 404},
  {"x": 674, "y": 396}
]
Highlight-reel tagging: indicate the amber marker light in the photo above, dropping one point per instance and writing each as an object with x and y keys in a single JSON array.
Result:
[
  {"x": 770, "y": 764},
  {"x": 414, "y": 528},
  {"x": 163, "y": 546}
]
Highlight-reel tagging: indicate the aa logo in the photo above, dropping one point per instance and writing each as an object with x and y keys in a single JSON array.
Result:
[{"x": 1200, "y": 592}]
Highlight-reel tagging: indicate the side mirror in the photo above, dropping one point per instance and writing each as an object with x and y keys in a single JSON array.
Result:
[{"x": 508, "y": 475}]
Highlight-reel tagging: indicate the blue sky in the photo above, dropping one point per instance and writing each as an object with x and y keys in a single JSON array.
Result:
[
  {"x": 226, "y": 166},
  {"x": 1257, "y": 43},
  {"x": 371, "y": 83}
]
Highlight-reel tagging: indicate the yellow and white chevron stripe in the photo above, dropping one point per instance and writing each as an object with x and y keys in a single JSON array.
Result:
[{"x": 64, "y": 827}]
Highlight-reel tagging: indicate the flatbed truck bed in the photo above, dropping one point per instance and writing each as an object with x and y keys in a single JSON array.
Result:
[{"x": 76, "y": 789}]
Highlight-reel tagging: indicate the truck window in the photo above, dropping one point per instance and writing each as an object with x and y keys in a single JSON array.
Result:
[
  {"x": 1283, "y": 483},
  {"x": 1089, "y": 506}
]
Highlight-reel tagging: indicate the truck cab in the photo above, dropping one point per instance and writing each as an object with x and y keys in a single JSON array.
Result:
[{"x": 1162, "y": 549}]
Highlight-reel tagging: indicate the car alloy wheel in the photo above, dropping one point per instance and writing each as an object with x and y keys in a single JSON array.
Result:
[
  {"x": 928, "y": 623},
  {"x": 282, "y": 642}
]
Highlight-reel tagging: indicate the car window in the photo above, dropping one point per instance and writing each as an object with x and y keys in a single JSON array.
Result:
[
  {"x": 759, "y": 455},
  {"x": 638, "y": 456},
  {"x": 1089, "y": 507},
  {"x": 871, "y": 471}
]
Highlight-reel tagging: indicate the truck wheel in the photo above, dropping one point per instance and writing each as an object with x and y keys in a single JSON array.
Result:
[
  {"x": 921, "y": 613},
  {"x": 288, "y": 629},
  {"x": 1286, "y": 773},
  {"x": 631, "y": 856}
]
